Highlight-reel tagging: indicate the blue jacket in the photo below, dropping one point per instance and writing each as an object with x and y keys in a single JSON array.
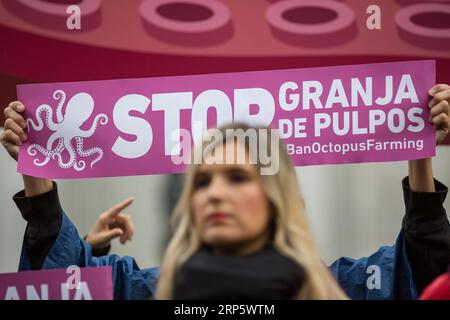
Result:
[{"x": 391, "y": 264}]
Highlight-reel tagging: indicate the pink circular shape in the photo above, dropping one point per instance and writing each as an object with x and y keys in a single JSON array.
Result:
[
  {"x": 425, "y": 25},
  {"x": 187, "y": 22},
  {"x": 409, "y": 2},
  {"x": 52, "y": 14},
  {"x": 312, "y": 23}
]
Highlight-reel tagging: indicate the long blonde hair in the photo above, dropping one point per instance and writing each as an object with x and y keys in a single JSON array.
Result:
[{"x": 291, "y": 237}]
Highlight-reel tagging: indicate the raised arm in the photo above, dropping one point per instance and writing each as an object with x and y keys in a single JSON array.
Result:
[
  {"x": 425, "y": 223},
  {"x": 420, "y": 173},
  {"x": 12, "y": 138},
  {"x": 52, "y": 241}
]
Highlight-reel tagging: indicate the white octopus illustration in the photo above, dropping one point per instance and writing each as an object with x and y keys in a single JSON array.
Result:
[{"x": 78, "y": 110}]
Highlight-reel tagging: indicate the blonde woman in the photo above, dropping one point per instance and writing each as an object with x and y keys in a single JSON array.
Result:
[
  {"x": 240, "y": 234},
  {"x": 248, "y": 232}
]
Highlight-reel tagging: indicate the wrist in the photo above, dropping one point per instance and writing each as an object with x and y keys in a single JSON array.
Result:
[
  {"x": 34, "y": 186},
  {"x": 421, "y": 175}
]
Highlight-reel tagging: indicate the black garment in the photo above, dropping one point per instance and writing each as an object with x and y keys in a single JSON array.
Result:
[
  {"x": 265, "y": 274},
  {"x": 425, "y": 225},
  {"x": 43, "y": 213},
  {"x": 427, "y": 233}
]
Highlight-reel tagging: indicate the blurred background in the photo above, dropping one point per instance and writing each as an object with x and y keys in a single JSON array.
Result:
[{"x": 353, "y": 209}]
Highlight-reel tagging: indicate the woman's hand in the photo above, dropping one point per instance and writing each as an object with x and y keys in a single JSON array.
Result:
[
  {"x": 111, "y": 224},
  {"x": 12, "y": 138},
  {"x": 420, "y": 171},
  {"x": 440, "y": 110},
  {"x": 14, "y": 134}
]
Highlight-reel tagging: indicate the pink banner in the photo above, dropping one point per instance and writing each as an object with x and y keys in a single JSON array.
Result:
[
  {"x": 331, "y": 115},
  {"x": 72, "y": 283}
]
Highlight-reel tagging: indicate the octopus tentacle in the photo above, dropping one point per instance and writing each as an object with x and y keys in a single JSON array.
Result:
[
  {"x": 48, "y": 119},
  {"x": 63, "y": 165},
  {"x": 60, "y": 147},
  {"x": 89, "y": 152},
  {"x": 32, "y": 152},
  {"x": 46, "y": 152},
  {"x": 43, "y": 163},
  {"x": 51, "y": 140},
  {"x": 102, "y": 118},
  {"x": 78, "y": 166},
  {"x": 59, "y": 94}
]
